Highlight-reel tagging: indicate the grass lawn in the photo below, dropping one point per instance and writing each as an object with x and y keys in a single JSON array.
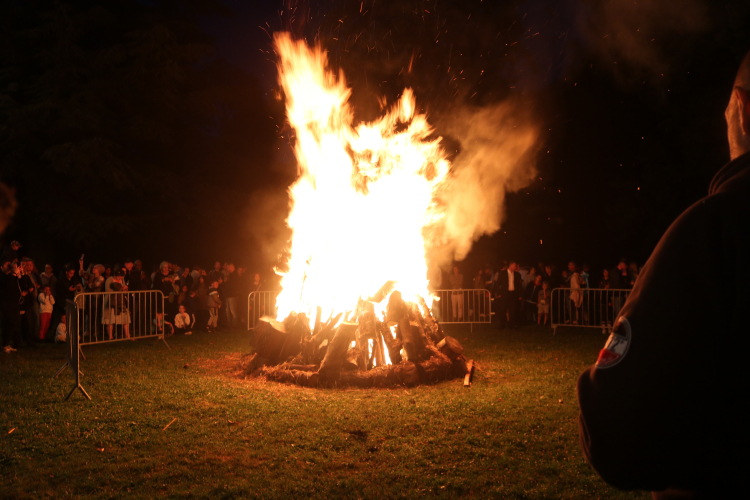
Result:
[{"x": 513, "y": 434}]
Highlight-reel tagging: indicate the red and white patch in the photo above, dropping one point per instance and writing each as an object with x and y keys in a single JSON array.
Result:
[{"x": 617, "y": 344}]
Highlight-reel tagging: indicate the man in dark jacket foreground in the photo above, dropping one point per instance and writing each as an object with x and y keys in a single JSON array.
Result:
[{"x": 663, "y": 408}]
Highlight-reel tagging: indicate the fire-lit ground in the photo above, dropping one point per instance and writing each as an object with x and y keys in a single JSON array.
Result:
[{"x": 513, "y": 434}]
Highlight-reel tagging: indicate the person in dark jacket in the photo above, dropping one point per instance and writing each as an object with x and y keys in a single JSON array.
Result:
[
  {"x": 663, "y": 408},
  {"x": 508, "y": 293},
  {"x": 186, "y": 279},
  {"x": 28, "y": 301},
  {"x": 232, "y": 289},
  {"x": 164, "y": 282},
  {"x": 618, "y": 280},
  {"x": 215, "y": 273},
  {"x": 135, "y": 276},
  {"x": 531, "y": 298},
  {"x": 67, "y": 284},
  {"x": 10, "y": 305}
]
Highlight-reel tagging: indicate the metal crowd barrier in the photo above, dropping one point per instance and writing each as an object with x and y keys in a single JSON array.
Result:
[
  {"x": 472, "y": 306},
  {"x": 73, "y": 349},
  {"x": 260, "y": 304},
  {"x": 463, "y": 306},
  {"x": 586, "y": 307},
  {"x": 98, "y": 318}
]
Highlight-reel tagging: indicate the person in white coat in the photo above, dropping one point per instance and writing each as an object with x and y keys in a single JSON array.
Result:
[{"x": 46, "y": 303}]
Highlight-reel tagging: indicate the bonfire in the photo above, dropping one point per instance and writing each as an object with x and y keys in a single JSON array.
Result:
[{"x": 363, "y": 212}]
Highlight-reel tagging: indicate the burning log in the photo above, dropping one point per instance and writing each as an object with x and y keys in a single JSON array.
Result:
[
  {"x": 393, "y": 345},
  {"x": 299, "y": 330},
  {"x": 351, "y": 361},
  {"x": 410, "y": 337},
  {"x": 320, "y": 341},
  {"x": 432, "y": 327},
  {"x": 407, "y": 331},
  {"x": 330, "y": 367},
  {"x": 360, "y": 358},
  {"x": 322, "y": 349},
  {"x": 418, "y": 320},
  {"x": 366, "y": 321},
  {"x": 270, "y": 340},
  {"x": 396, "y": 309},
  {"x": 318, "y": 326},
  {"x": 383, "y": 292},
  {"x": 378, "y": 348},
  {"x": 327, "y": 330}
]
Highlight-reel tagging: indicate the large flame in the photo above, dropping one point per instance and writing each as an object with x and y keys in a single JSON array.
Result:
[{"x": 364, "y": 194}]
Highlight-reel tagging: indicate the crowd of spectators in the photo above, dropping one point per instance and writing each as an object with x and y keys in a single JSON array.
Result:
[
  {"x": 33, "y": 303},
  {"x": 523, "y": 293}
]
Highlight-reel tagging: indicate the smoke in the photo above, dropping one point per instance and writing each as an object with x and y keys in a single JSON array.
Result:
[
  {"x": 266, "y": 212},
  {"x": 644, "y": 36},
  {"x": 496, "y": 156}
]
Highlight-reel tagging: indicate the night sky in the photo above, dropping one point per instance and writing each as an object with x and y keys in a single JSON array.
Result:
[{"x": 628, "y": 99}]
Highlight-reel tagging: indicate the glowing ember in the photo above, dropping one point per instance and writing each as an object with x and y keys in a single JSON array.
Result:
[{"x": 363, "y": 197}]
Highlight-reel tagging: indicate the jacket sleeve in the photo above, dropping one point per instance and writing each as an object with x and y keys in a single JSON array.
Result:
[{"x": 638, "y": 409}]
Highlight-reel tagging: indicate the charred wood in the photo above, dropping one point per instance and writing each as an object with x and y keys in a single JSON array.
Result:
[
  {"x": 336, "y": 353},
  {"x": 450, "y": 347},
  {"x": 469, "y": 373}
]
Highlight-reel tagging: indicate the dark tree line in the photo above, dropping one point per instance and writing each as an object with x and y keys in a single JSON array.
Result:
[{"x": 122, "y": 131}]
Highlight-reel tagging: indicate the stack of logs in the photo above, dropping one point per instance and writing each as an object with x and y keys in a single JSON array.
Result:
[{"x": 356, "y": 351}]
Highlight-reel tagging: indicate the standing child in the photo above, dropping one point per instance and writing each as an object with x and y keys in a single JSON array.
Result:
[
  {"x": 214, "y": 303},
  {"x": 61, "y": 333},
  {"x": 543, "y": 300},
  {"x": 46, "y": 303}
]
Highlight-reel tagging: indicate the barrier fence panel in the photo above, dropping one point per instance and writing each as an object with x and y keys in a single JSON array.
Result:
[
  {"x": 462, "y": 306},
  {"x": 586, "y": 307},
  {"x": 116, "y": 316},
  {"x": 450, "y": 306},
  {"x": 260, "y": 304}
]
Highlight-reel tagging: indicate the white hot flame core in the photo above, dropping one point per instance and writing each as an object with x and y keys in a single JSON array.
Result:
[{"x": 364, "y": 194}]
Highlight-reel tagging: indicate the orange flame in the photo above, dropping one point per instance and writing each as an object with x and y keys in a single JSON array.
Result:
[{"x": 364, "y": 194}]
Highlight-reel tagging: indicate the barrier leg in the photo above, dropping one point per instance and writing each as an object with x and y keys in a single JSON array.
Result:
[
  {"x": 161, "y": 337},
  {"x": 77, "y": 386},
  {"x": 62, "y": 368}
]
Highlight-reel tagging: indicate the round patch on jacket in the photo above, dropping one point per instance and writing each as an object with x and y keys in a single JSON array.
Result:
[{"x": 617, "y": 344}]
